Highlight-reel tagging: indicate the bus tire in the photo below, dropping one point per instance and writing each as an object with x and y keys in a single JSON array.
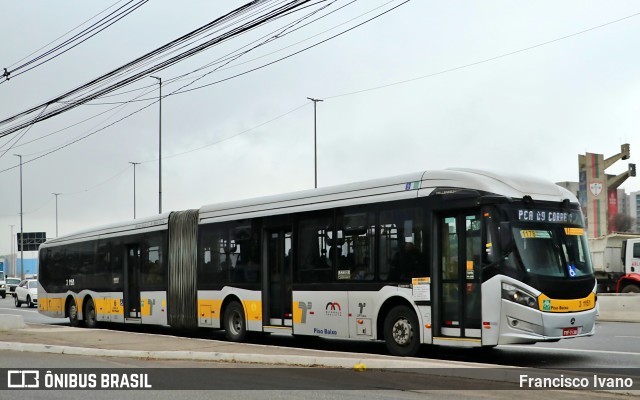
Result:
[
  {"x": 235, "y": 325},
  {"x": 401, "y": 332},
  {"x": 72, "y": 313},
  {"x": 90, "y": 320}
]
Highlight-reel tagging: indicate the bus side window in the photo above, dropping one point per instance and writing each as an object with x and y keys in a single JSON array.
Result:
[
  {"x": 401, "y": 255},
  {"x": 316, "y": 244},
  {"x": 355, "y": 256}
]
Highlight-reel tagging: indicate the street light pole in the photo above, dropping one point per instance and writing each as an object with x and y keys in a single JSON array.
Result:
[
  {"x": 56, "y": 194},
  {"x": 315, "y": 147},
  {"x": 159, "y": 148},
  {"x": 13, "y": 255},
  {"x": 134, "y": 187},
  {"x": 21, "y": 225}
]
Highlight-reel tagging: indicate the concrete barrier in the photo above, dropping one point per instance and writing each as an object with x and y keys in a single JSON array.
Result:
[
  {"x": 623, "y": 307},
  {"x": 8, "y": 321}
]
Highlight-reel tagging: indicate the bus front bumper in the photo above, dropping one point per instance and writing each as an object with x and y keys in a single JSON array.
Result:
[{"x": 522, "y": 324}]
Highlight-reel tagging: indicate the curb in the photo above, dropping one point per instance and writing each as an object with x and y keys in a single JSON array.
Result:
[{"x": 291, "y": 360}]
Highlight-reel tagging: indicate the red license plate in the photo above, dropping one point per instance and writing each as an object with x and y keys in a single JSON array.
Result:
[{"x": 569, "y": 331}]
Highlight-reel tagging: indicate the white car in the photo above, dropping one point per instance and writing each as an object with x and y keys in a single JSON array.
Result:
[{"x": 27, "y": 292}]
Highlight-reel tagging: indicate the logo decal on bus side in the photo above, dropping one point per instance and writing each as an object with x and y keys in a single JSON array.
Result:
[{"x": 333, "y": 309}]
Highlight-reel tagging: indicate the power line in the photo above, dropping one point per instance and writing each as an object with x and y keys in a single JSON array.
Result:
[
  {"x": 64, "y": 34},
  {"x": 242, "y": 28},
  {"x": 184, "y": 91},
  {"x": 485, "y": 60},
  {"x": 74, "y": 41}
]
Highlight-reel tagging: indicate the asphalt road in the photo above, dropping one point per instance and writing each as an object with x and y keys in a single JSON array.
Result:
[{"x": 615, "y": 345}]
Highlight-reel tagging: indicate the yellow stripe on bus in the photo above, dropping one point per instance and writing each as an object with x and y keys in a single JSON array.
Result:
[
  {"x": 560, "y": 306},
  {"x": 253, "y": 308},
  {"x": 209, "y": 308}
]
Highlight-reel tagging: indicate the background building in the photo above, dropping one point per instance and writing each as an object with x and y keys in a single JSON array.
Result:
[{"x": 634, "y": 209}]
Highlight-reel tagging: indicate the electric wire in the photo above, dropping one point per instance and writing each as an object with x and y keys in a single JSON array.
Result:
[
  {"x": 197, "y": 49},
  {"x": 64, "y": 34},
  {"x": 74, "y": 41}
]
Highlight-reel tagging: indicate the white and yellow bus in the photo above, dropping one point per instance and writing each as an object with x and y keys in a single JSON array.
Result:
[{"x": 454, "y": 257}]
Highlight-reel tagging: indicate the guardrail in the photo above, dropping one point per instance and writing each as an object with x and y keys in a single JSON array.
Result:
[{"x": 623, "y": 307}]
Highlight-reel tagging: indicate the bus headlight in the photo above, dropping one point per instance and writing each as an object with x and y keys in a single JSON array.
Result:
[{"x": 517, "y": 295}]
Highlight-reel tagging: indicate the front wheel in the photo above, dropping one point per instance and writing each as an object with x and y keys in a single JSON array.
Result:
[
  {"x": 401, "y": 331},
  {"x": 235, "y": 325},
  {"x": 30, "y": 303},
  {"x": 17, "y": 302}
]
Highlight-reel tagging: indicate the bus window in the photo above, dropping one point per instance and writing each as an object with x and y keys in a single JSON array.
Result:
[
  {"x": 315, "y": 246},
  {"x": 400, "y": 247},
  {"x": 153, "y": 268},
  {"x": 354, "y": 257},
  {"x": 246, "y": 257},
  {"x": 210, "y": 257}
]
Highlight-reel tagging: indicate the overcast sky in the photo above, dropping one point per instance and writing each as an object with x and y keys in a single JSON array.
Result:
[{"x": 530, "y": 112}]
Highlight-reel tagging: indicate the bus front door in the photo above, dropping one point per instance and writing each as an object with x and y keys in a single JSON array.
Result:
[
  {"x": 277, "y": 297},
  {"x": 132, "y": 283},
  {"x": 459, "y": 280}
]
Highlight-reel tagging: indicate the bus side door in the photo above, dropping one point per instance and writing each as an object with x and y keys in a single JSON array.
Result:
[{"x": 459, "y": 280}]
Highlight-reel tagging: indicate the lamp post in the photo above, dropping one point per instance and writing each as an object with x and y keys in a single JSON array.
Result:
[
  {"x": 134, "y": 187},
  {"x": 13, "y": 255},
  {"x": 315, "y": 131},
  {"x": 21, "y": 225},
  {"x": 159, "y": 147},
  {"x": 56, "y": 194}
]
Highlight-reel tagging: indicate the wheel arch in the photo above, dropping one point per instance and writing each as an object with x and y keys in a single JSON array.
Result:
[
  {"x": 387, "y": 306},
  {"x": 228, "y": 300},
  {"x": 626, "y": 280}
]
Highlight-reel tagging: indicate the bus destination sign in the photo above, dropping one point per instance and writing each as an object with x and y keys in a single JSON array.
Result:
[{"x": 555, "y": 217}]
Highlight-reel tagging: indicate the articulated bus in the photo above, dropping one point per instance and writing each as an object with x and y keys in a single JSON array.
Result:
[{"x": 455, "y": 257}]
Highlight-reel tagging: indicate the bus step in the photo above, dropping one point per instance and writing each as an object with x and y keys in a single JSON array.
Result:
[{"x": 283, "y": 330}]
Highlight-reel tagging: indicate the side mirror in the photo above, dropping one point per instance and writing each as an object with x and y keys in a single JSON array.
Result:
[{"x": 505, "y": 235}]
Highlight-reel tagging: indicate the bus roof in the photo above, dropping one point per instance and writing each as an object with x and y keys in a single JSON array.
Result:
[
  {"x": 378, "y": 190},
  {"x": 387, "y": 189}
]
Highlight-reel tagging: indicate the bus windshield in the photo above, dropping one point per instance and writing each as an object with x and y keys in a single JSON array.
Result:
[{"x": 553, "y": 251}]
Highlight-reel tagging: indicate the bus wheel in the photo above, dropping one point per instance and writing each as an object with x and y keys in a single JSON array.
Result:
[
  {"x": 401, "y": 334},
  {"x": 72, "y": 313},
  {"x": 235, "y": 326},
  {"x": 90, "y": 320}
]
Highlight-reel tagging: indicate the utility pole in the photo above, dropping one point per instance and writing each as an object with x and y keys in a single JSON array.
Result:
[
  {"x": 56, "y": 194},
  {"x": 21, "y": 225},
  {"x": 315, "y": 140},
  {"x": 159, "y": 147},
  {"x": 134, "y": 187}
]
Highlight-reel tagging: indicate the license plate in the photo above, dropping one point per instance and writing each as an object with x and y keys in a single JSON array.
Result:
[{"x": 569, "y": 331}]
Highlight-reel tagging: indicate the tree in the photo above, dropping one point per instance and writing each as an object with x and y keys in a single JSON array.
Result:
[{"x": 621, "y": 223}]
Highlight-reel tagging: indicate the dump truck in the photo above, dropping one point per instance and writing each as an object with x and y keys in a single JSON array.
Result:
[{"x": 616, "y": 262}]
